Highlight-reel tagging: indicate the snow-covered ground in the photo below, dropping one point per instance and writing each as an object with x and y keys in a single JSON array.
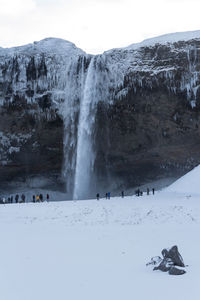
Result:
[{"x": 98, "y": 250}]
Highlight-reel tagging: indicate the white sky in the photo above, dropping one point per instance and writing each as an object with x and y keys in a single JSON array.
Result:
[{"x": 94, "y": 25}]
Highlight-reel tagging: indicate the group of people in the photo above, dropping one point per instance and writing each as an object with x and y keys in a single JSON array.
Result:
[
  {"x": 22, "y": 199},
  {"x": 107, "y": 196},
  {"x": 140, "y": 193}
]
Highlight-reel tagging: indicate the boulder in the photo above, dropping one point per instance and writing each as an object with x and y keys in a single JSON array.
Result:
[
  {"x": 174, "y": 255},
  {"x": 176, "y": 271},
  {"x": 165, "y": 265},
  {"x": 170, "y": 262}
]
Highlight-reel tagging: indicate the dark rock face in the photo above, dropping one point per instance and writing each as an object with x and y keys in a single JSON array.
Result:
[
  {"x": 30, "y": 144},
  {"x": 34, "y": 83},
  {"x": 147, "y": 123},
  {"x": 152, "y": 130}
]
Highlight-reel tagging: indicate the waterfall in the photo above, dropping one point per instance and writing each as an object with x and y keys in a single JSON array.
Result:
[
  {"x": 85, "y": 154},
  {"x": 74, "y": 85},
  {"x": 95, "y": 90}
]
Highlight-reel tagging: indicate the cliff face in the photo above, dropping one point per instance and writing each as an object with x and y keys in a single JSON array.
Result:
[
  {"x": 146, "y": 121},
  {"x": 35, "y": 81},
  {"x": 152, "y": 125}
]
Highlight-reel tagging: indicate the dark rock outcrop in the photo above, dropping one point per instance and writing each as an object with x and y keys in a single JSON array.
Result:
[
  {"x": 171, "y": 262},
  {"x": 176, "y": 271},
  {"x": 174, "y": 255}
]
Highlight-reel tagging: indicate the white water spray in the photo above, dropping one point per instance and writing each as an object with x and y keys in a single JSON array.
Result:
[
  {"x": 85, "y": 153},
  {"x": 95, "y": 90}
]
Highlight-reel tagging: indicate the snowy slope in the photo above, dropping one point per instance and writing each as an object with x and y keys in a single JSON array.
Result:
[
  {"x": 190, "y": 183},
  {"x": 166, "y": 39},
  {"x": 48, "y": 45},
  {"x": 98, "y": 249}
]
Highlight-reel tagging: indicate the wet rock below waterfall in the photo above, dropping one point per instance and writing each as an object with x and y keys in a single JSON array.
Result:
[{"x": 171, "y": 262}]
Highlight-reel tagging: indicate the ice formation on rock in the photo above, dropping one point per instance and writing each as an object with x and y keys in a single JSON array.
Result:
[{"x": 54, "y": 77}]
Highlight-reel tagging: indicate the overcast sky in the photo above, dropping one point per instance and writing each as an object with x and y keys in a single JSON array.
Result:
[{"x": 94, "y": 25}]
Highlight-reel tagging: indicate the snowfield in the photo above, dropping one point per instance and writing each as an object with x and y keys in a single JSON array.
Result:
[{"x": 98, "y": 250}]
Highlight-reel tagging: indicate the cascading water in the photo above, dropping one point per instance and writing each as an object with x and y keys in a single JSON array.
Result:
[
  {"x": 73, "y": 94},
  {"x": 95, "y": 90}
]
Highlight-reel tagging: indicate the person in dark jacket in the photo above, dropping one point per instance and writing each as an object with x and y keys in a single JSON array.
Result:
[
  {"x": 108, "y": 195},
  {"x": 41, "y": 197},
  {"x": 138, "y": 192},
  {"x": 33, "y": 198},
  {"x": 11, "y": 199},
  {"x": 153, "y": 191},
  {"x": 122, "y": 194},
  {"x": 23, "y": 198},
  {"x": 47, "y": 197},
  {"x": 98, "y": 196},
  {"x": 17, "y": 198},
  {"x": 147, "y": 191}
]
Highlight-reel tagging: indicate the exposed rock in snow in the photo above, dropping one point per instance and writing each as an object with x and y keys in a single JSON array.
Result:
[
  {"x": 176, "y": 271},
  {"x": 171, "y": 262}
]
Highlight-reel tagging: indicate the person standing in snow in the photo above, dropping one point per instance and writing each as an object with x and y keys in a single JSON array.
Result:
[
  {"x": 138, "y": 192},
  {"x": 11, "y": 199},
  {"x": 47, "y": 197},
  {"x": 37, "y": 198},
  {"x": 23, "y": 198},
  {"x": 41, "y": 197},
  {"x": 147, "y": 191},
  {"x": 33, "y": 198},
  {"x": 17, "y": 198},
  {"x": 153, "y": 191},
  {"x": 98, "y": 196},
  {"x": 122, "y": 194},
  {"x": 108, "y": 195}
]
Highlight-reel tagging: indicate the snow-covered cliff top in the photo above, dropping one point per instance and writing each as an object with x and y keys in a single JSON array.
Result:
[
  {"x": 63, "y": 47},
  {"x": 166, "y": 38},
  {"x": 48, "y": 45}
]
